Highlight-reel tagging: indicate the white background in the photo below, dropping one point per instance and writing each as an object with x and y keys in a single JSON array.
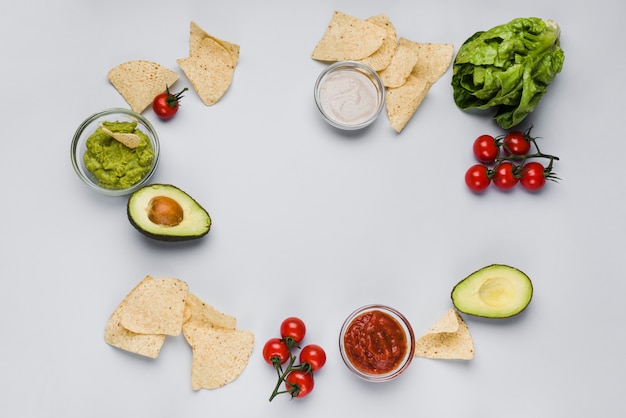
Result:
[{"x": 308, "y": 221}]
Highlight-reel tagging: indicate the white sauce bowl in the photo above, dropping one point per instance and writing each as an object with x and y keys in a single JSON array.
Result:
[{"x": 350, "y": 95}]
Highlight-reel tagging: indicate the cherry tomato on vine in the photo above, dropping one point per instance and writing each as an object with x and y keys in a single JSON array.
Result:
[
  {"x": 166, "y": 104},
  {"x": 293, "y": 328},
  {"x": 477, "y": 178},
  {"x": 275, "y": 351},
  {"x": 516, "y": 143},
  {"x": 314, "y": 356},
  {"x": 299, "y": 383},
  {"x": 533, "y": 176},
  {"x": 485, "y": 149},
  {"x": 504, "y": 176}
]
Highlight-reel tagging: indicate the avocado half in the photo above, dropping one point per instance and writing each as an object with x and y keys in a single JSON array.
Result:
[
  {"x": 495, "y": 291},
  {"x": 166, "y": 213}
]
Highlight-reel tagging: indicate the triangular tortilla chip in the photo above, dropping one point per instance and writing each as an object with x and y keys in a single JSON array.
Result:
[
  {"x": 197, "y": 34},
  {"x": 129, "y": 139},
  {"x": 381, "y": 58},
  {"x": 210, "y": 70},
  {"x": 433, "y": 60},
  {"x": 140, "y": 81},
  {"x": 348, "y": 38},
  {"x": 449, "y": 338},
  {"x": 115, "y": 334},
  {"x": 155, "y": 306},
  {"x": 402, "y": 63},
  {"x": 219, "y": 355},
  {"x": 402, "y": 102},
  {"x": 199, "y": 314}
]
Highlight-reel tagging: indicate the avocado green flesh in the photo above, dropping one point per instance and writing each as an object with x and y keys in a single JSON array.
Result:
[
  {"x": 195, "y": 224},
  {"x": 496, "y": 291}
]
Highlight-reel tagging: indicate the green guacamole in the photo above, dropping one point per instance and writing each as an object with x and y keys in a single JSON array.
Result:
[{"x": 112, "y": 163}]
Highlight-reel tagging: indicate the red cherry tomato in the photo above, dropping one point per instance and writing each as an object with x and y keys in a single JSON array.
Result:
[
  {"x": 533, "y": 176},
  {"x": 485, "y": 149},
  {"x": 293, "y": 328},
  {"x": 477, "y": 178},
  {"x": 314, "y": 356},
  {"x": 504, "y": 177},
  {"x": 299, "y": 383},
  {"x": 275, "y": 351},
  {"x": 516, "y": 143},
  {"x": 165, "y": 105}
]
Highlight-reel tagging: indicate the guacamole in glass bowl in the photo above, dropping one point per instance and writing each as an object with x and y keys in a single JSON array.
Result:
[{"x": 115, "y": 151}]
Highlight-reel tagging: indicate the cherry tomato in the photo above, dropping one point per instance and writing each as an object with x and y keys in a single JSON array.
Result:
[
  {"x": 516, "y": 143},
  {"x": 293, "y": 328},
  {"x": 275, "y": 351},
  {"x": 533, "y": 176},
  {"x": 166, "y": 104},
  {"x": 485, "y": 149},
  {"x": 504, "y": 177},
  {"x": 314, "y": 356},
  {"x": 477, "y": 178},
  {"x": 299, "y": 383}
]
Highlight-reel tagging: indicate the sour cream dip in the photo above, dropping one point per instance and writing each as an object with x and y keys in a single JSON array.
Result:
[{"x": 349, "y": 95}]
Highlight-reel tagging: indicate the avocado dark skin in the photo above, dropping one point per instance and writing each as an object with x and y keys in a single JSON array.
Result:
[{"x": 166, "y": 213}]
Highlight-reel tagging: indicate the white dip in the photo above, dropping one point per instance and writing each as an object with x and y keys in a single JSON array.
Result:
[{"x": 348, "y": 97}]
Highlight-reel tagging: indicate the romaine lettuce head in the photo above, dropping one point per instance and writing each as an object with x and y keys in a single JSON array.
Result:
[{"x": 508, "y": 67}]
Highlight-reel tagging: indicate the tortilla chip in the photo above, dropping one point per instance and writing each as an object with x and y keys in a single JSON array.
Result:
[
  {"x": 219, "y": 355},
  {"x": 348, "y": 38},
  {"x": 148, "y": 345},
  {"x": 155, "y": 306},
  {"x": 449, "y": 338},
  {"x": 197, "y": 34},
  {"x": 115, "y": 334},
  {"x": 210, "y": 70},
  {"x": 402, "y": 63},
  {"x": 129, "y": 139},
  {"x": 402, "y": 102},
  {"x": 381, "y": 58},
  {"x": 433, "y": 60},
  {"x": 199, "y": 314},
  {"x": 140, "y": 81}
]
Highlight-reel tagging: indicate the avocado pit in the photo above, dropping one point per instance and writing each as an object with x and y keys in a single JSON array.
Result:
[{"x": 163, "y": 210}]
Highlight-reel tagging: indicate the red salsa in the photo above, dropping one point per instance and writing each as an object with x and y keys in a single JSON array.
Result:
[{"x": 375, "y": 342}]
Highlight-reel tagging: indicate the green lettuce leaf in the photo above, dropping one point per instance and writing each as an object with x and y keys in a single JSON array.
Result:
[{"x": 508, "y": 67}]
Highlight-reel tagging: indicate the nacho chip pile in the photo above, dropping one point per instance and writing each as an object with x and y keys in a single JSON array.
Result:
[
  {"x": 408, "y": 69},
  {"x": 156, "y": 308},
  {"x": 211, "y": 64}
]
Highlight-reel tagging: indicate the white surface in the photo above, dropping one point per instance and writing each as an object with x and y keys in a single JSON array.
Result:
[{"x": 307, "y": 221}]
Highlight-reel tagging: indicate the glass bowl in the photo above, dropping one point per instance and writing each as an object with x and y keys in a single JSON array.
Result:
[
  {"x": 377, "y": 343},
  {"x": 350, "y": 95},
  {"x": 89, "y": 126}
]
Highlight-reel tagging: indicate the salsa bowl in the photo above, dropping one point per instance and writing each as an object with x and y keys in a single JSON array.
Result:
[
  {"x": 107, "y": 165},
  {"x": 377, "y": 343}
]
